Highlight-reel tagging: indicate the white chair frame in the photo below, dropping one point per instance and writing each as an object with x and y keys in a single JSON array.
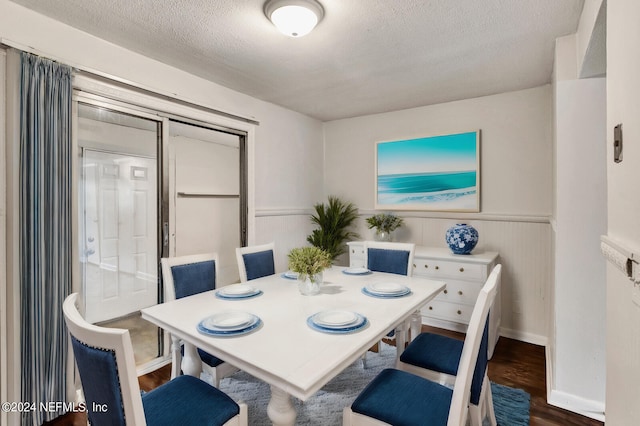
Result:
[
  {"x": 485, "y": 407},
  {"x": 459, "y": 409},
  {"x": 251, "y": 249},
  {"x": 386, "y": 245},
  {"x": 221, "y": 371},
  {"x": 119, "y": 341}
]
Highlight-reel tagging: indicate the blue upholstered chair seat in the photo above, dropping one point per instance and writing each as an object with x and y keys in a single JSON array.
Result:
[
  {"x": 402, "y": 399},
  {"x": 441, "y": 353},
  {"x": 107, "y": 368},
  {"x": 186, "y": 400},
  {"x": 434, "y": 352},
  {"x": 209, "y": 359}
]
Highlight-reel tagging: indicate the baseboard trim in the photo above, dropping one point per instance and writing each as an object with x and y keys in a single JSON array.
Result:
[
  {"x": 584, "y": 407},
  {"x": 523, "y": 336}
]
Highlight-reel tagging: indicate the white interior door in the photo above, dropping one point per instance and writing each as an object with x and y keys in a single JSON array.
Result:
[{"x": 121, "y": 240}]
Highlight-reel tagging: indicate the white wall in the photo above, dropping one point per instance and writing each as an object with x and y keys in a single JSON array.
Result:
[
  {"x": 623, "y": 316},
  {"x": 580, "y": 220},
  {"x": 516, "y": 187}
]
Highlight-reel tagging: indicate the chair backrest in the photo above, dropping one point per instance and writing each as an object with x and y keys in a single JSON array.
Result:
[
  {"x": 187, "y": 275},
  {"x": 105, "y": 361},
  {"x": 395, "y": 258},
  {"x": 472, "y": 343},
  {"x": 255, "y": 261}
]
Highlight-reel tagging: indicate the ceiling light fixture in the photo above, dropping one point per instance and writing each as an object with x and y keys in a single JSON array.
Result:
[{"x": 294, "y": 18}]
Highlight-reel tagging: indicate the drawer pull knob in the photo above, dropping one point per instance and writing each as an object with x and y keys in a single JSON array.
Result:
[
  {"x": 445, "y": 291},
  {"x": 431, "y": 308},
  {"x": 426, "y": 266},
  {"x": 414, "y": 265},
  {"x": 437, "y": 267},
  {"x": 461, "y": 269},
  {"x": 459, "y": 312},
  {"x": 460, "y": 292}
]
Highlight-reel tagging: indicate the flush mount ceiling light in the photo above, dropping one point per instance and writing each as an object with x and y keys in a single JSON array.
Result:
[{"x": 294, "y": 18}]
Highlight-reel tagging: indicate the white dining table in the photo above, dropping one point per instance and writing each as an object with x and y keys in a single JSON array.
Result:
[{"x": 284, "y": 351}]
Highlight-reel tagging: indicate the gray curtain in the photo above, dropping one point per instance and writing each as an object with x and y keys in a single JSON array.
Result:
[{"x": 45, "y": 234}]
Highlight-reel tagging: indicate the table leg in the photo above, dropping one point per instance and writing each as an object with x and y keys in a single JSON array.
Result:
[
  {"x": 280, "y": 409},
  {"x": 416, "y": 324},
  {"x": 191, "y": 363},
  {"x": 401, "y": 338}
]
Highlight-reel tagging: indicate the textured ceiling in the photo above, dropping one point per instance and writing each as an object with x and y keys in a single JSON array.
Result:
[{"x": 365, "y": 56}]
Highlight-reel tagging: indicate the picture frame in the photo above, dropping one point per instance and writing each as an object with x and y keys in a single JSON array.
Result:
[{"x": 431, "y": 173}]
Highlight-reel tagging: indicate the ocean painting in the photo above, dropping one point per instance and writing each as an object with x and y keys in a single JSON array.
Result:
[{"x": 432, "y": 173}]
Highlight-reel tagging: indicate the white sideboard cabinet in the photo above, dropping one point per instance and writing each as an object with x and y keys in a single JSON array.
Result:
[{"x": 464, "y": 274}]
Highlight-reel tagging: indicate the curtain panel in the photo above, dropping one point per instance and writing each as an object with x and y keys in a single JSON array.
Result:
[{"x": 45, "y": 234}]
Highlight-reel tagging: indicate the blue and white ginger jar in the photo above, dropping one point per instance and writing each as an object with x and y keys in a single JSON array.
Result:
[{"x": 462, "y": 238}]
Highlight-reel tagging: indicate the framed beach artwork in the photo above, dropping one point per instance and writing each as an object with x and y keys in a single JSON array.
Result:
[{"x": 435, "y": 173}]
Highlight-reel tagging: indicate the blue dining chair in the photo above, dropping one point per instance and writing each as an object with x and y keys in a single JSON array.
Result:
[
  {"x": 105, "y": 361},
  {"x": 399, "y": 398},
  {"x": 185, "y": 276},
  {"x": 255, "y": 261},
  {"x": 394, "y": 258},
  {"x": 436, "y": 357}
]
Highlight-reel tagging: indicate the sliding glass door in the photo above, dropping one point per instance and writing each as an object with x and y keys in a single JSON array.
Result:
[
  {"x": 152, "y": 185},
  {"x": 119, "y": 221}
]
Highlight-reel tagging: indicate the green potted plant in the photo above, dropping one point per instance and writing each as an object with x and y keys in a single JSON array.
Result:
[
  {"x": 385, "y": 224},
  {"x": 334, "y": 220},
  {"x": 309, "y": 263}
]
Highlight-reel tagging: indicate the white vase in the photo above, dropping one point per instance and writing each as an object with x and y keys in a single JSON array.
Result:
[{"x": 308, "y": 285}]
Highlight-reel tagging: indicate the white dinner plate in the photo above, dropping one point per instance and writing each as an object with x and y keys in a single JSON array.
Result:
[
  {"x": 335, "y": 318},
  {"x": 368, "y": 292},
  {"x": 237, "y": 290},
  {"x": 387, "y": 288},
  {"x": 359, "y": 323},
  {"x": 228, "y": 320},
  {"x": 356, "y": 271}
]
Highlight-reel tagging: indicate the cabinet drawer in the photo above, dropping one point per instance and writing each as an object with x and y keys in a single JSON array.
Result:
[
  {"x": 438, "y": 268},
  {"x": 462, "y": 292},
  {"x": 448, "y": 311}
]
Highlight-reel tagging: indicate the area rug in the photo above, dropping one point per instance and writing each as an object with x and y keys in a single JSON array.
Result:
[
  {"x": 325, "y": 407},
  {"x": 510, "y": 405}
]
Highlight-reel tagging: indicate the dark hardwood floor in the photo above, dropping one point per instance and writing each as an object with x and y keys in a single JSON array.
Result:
[{"x": 514, "y": 363}]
